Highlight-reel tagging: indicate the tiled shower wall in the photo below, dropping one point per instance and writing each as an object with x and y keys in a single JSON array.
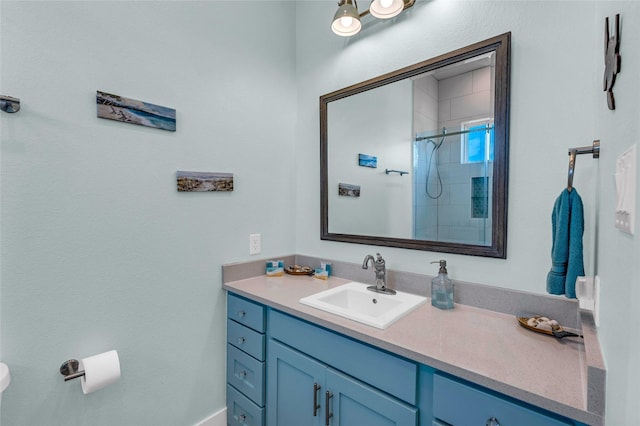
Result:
[{"x": 448, "y": 103}]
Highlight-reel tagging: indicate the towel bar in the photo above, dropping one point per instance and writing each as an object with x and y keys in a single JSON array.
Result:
[{"x": 593, "y": 149}]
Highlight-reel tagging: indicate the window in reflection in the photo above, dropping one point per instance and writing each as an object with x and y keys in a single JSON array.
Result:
[{"x": 477, "y": 141}]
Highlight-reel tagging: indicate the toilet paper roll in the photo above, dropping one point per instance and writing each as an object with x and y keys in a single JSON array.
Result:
[{"x": 99, "y": 371}]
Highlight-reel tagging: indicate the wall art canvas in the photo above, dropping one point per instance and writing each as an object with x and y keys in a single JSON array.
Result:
[
  {"x": 365, "y": 160},
  {"x": 118, "y": 108},
  {"x": 204, "y": 181},
  {"x": 348, "y": 190}
]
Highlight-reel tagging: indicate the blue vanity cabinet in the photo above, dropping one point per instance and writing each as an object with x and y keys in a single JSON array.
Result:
[
  {"x": 285, "y": 371},
  {"x": 246, "y": 357},
  {"x": 310, "y": 387}
]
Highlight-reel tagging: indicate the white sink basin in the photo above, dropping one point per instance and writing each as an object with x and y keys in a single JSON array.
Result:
[{"x": 355, "y": 302}]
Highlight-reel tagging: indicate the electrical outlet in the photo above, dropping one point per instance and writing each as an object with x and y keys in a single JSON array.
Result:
[{"x": 254, "y": 244}]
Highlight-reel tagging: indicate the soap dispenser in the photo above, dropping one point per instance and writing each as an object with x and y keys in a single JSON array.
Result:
[{"x": 442, "y": 288}]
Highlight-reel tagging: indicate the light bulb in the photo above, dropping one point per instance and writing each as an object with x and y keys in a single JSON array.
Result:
[
  {"x": 385, "y": 9},
  {"x": 346, "y": 21}
]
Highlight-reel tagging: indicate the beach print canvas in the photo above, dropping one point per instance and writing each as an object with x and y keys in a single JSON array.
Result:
[
  {"x": 118, "y": 108},
  {"x": 348, "y": 190},
  {"x": 204, "y": 181},
  {"x": 365, "y": 160}
]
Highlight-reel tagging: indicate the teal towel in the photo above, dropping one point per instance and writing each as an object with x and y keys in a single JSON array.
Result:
[{"x": 567, "y": 221}]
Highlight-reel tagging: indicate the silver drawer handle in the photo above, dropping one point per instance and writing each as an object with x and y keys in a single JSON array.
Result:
[
  {"x": 242, "y": 314},
  {"x": 242, "y": 374},
  {"x": 242, "y": 417},
  {"x": 241, "y": 340},
  {"x": 493, "y": 422}
]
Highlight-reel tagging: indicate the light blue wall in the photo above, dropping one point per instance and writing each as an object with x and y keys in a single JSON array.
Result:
[
  {"x": 618, "y": 253},
  {"x": 556, "y": 103},
  {"x": 99, "y": 250}
]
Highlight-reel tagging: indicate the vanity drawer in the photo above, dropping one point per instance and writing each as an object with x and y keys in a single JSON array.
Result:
[
  {"x": 459, "y": 404},
  {"x": 246, "y": 312},
  {"x": 246, "y": 374},
  {"x": 246, "y": 339},
  {"x": 241, "y": 411}
]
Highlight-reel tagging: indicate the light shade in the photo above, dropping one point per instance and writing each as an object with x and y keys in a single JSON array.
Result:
[
  {"x": 385, "y": 9},
  {"x": 346, "y": 21}
]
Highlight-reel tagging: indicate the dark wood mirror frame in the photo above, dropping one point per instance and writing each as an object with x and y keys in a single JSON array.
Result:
[{"x": 501, "y": 45}]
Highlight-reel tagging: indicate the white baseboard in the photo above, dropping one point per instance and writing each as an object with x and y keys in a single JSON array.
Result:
[{"x": 216, "y": 419}]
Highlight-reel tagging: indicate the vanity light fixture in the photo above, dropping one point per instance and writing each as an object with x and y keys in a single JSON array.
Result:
[{"x": 346, "y": 21}]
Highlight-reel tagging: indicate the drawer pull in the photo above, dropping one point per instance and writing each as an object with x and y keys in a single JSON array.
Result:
[
  {"x": 327, "y": 413},
  {"x": 316, "y": 406},
  {"x": 241, "y": 340},
  {"x": 493, "y": 422},
  {"x": 242, "y": 374},
  {"x": 242, "y": 314},
  {"x": 242, "y": 417}
]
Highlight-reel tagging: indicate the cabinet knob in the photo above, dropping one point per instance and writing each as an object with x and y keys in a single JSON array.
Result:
[
  {"x": 241, "y": 340},
  {"x": 242, "y": 314},
  {"x": 242, "y": 374},
  {"x": 242, "y": 417},
  {"x": 493, "y": 422}
]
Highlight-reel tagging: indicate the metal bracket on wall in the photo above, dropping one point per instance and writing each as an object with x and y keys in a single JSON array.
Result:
[
  {"x": 593, "y": 149},
  {"x": 9, "y": 104}
]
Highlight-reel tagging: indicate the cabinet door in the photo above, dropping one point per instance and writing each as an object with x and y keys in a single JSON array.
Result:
[
  {"x": 295, "y": 388},
  {"x": 354, "y": 403}
]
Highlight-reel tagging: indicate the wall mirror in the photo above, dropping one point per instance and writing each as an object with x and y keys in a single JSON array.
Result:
[{"x": 418, "y": 158}]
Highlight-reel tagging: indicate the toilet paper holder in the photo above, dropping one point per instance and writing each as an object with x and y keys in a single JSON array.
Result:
[{"x": 69, "y": 369}]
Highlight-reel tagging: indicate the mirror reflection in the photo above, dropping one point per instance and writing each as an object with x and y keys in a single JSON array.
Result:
[
  {"x": 417, "y": 158},
  {"x": 453, "y": 152}
]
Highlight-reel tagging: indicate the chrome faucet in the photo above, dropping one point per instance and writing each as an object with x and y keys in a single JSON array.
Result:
[{"x": 381, "y": 274}]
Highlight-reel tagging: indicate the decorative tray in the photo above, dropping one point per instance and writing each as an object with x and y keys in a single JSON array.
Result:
[
  {"x": 298, "y": 270},
  {"x": 542, "y": 324}
]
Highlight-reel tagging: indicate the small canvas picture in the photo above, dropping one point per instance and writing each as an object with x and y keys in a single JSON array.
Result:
[
  {"x": 348, "y": 190},
  {"x": 365, "y": 160},
  {"x": 204, "y": 182},
  {"x": 118, "y": 108}
]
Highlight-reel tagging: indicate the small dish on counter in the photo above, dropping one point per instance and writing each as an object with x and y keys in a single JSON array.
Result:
[
  {"x": 542, "y": 324},
  {"x": 298, "y": 270}
]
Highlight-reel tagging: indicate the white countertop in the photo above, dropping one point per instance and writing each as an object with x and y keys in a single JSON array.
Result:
[{"x": 482, "y": 346}]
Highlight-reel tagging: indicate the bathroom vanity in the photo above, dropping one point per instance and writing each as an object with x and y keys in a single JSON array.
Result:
[{"x": 291, "y": 364}]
